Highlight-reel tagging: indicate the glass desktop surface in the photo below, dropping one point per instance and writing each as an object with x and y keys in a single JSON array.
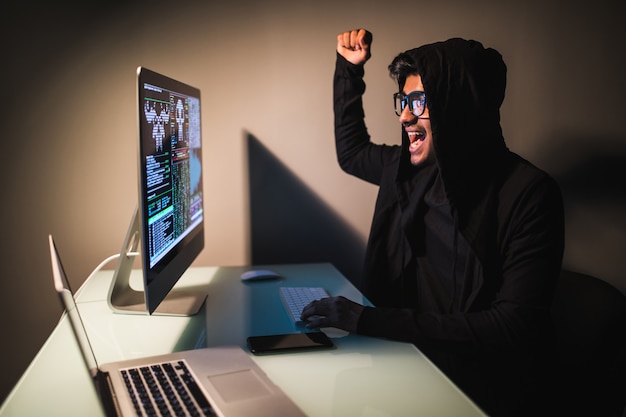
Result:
[
  {"x": 362, "y": 376},
  {"x": 236, "y": 309}
]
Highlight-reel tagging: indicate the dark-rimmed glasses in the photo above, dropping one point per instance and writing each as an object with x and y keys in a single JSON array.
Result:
[{"x": 416, "y": 100}]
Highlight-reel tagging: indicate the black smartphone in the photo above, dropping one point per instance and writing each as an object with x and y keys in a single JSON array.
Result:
[{"x": 289, "y": 342}]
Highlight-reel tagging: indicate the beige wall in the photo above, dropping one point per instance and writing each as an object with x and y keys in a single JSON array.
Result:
[{"x": 265, "y": 69}]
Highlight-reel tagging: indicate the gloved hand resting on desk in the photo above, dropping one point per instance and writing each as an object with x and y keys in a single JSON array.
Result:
[{"x": 338, "y": 312}]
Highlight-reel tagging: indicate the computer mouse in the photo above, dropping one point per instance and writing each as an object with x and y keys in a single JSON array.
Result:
[{"x": 259, "y": 274}]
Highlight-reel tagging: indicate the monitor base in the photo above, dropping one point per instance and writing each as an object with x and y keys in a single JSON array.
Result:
[{"x": 123, "y": 299}]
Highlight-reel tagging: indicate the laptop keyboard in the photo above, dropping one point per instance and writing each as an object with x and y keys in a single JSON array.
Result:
[
  {"x": 296, "y": 298},
  {"x": 166, "y": 389}
]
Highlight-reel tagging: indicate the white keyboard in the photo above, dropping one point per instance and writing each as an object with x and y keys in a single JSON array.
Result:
[{"x": 296, "y": 298}]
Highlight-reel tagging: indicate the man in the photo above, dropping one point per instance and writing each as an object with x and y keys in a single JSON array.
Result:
[{"x": 467, "y": 237}]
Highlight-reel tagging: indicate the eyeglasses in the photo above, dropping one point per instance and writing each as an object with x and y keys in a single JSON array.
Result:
[{"x": 416, "y": 101}]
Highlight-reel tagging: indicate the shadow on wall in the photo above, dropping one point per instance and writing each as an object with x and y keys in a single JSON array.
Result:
[
  {"x": 290, "y": 224},
  {"x": 592, "y": 177},
  {"x": 593, "y": 174}
]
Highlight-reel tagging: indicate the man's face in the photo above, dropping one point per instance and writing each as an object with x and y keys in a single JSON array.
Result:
[{"x": 418, "y": 128}]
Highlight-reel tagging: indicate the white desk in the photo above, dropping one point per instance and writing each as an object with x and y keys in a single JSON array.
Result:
[{"x": 361, "y": 377}]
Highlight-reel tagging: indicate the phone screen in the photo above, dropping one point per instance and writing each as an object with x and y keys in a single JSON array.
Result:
[{"x": 287, "y": 342}]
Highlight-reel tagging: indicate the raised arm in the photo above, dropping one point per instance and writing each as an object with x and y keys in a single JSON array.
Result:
[{"x": 356, "y": 154}]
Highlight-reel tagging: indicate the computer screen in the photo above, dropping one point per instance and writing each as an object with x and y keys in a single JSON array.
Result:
[{"x": 169, "y": 221}]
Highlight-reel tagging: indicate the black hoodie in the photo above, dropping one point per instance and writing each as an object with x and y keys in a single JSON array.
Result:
[{"x": 489, "y": 326}]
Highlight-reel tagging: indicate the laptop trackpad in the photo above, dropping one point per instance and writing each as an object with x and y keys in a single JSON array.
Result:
[{"x": 239, "y": 385}]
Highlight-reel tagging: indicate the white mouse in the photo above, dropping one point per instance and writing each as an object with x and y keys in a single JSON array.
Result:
[{"x": 259, "y": 274}]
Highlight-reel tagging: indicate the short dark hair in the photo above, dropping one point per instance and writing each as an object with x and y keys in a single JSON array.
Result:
[{"x": 401, "y": 67}]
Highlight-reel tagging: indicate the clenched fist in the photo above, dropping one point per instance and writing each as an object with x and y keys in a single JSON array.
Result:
[{"x": 355, "y": 46}]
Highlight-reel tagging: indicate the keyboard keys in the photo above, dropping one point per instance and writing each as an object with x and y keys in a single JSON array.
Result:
[
  {"x": 296, "y": 298},
  {"x": 166, "y": 389}
]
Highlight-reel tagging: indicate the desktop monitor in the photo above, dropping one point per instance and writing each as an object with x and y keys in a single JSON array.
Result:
[{"x": 168, "y": 224}]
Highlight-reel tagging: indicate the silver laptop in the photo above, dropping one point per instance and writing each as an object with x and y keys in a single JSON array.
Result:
[{"x": 216, "y": 381}]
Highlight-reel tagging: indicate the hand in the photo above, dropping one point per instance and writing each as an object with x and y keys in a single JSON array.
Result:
[
  {"x": 354, "y": 45},
  {"x": 338, "y": 312}
]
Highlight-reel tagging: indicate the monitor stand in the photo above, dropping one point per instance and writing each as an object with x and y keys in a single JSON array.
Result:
[{"x": 122, "y": 298}]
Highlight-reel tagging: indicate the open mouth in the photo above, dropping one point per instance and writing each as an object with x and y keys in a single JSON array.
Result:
[{"x": 416, "y": 136}]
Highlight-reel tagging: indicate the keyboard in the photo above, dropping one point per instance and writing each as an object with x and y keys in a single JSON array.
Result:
[
  {"x": 296, "y": 298},
  {"x": 165, "y": 389}
]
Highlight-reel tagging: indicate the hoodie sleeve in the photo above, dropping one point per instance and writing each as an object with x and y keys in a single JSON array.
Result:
[{"x": 356, "y": 154}]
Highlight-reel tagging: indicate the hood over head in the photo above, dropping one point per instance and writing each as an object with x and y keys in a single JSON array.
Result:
[{"x": 465, "y": 85}]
